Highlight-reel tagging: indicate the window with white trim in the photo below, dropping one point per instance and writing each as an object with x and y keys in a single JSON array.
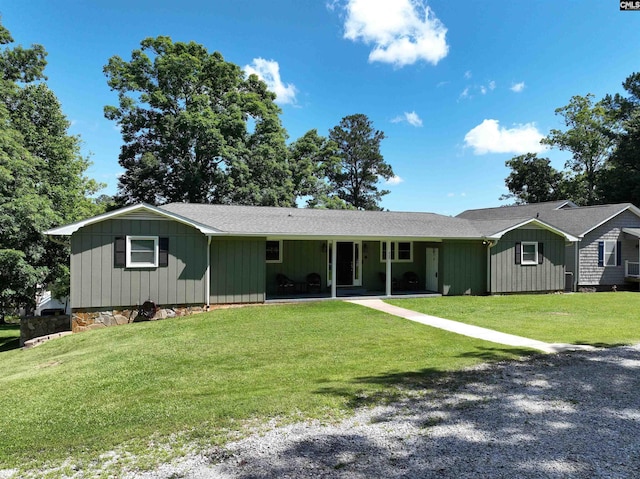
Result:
[
  {"x": 609, "y": 253},
  {"x": 142, "y": 252},
  {"x": 529, "y": 252},
  {"x": 274, "y": 251},
  {"x": 401, "y": 251}
]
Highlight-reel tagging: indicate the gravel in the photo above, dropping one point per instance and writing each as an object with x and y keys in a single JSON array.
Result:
[{"x": 570, "y": 415}]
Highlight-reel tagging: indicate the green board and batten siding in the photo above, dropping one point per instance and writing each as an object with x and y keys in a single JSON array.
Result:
[
  {"x": 237, "y": 270},
  {"x": 462, "y": 268},
  {"x": 97, "y": 283},
  {"x": 509, "y": 277}
]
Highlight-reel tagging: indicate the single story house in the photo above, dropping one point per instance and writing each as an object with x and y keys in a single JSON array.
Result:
[
  {"x": 607, "y": 252},
  {"x": 185, "y": 255}
]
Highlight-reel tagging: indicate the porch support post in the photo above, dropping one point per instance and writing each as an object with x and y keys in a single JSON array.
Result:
[
  {"x": 207, "y": 279},
  {"x": 388, "y": 269},
  {"x": 576, "y": 268},
  {"x": 334, "y": 277}
]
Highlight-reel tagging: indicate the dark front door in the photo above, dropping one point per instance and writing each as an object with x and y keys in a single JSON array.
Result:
[{"x": 344, "y": 264}]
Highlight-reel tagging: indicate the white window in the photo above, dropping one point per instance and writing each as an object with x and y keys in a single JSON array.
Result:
[
  {"x": 529, "y": 252},
  {"x": 274, "y": 251},
  {"x": 401, "y": 251},
  {"x": 142, "y": 251},
  {"x": 610, "y": 253}
]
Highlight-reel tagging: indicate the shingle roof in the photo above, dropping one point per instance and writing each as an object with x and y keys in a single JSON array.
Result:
[
  {"x": 519, "y": 211},
  {"x": 577, "y": 220},
  {"x": 274, "y": 221}
]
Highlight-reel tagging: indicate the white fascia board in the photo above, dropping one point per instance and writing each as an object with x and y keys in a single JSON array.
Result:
[
  {"x": 569, "y": 203},
  {"x": 69, "y": 229},
  {"x": 631, "y": 208},
  {"x": 542, "y": 224}
]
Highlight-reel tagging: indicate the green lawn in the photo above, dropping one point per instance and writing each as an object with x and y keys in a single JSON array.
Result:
[
  {"x": 601, "y": 319},
  {"x": 212, "y": 373},
  {"x": 9, "y": 336}
]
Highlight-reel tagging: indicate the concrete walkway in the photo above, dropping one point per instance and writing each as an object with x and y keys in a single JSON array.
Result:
[{"x": 467, "y": 329}]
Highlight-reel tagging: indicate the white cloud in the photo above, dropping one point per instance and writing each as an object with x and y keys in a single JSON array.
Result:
[
  {"x": 483, "y": 89},
  {"x": 269, "y": 72},
  {"x": 410, "y": 117},
  {"x": 467, "y": 74},
  {"x": 492, "y": 85},
  {"x": 464, "y": 94},
  {"x": 490, "y": 137},
  {"x": 402, "y": 32},
  {"x": 394, "y": 180},
  {"x": 517, "y": 87}
]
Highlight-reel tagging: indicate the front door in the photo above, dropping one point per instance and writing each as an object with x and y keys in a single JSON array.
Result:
[
  {"x": 348, "y": 263},
  {"x": 432, "y": 269}
]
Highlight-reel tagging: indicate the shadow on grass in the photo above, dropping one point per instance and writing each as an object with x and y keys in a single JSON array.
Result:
[
  {"x": 396, "y": 383},
  {"x": 548, "y": 416},
  {"x": 602, "y": 345},
  {"x": 9, "y": 337}
]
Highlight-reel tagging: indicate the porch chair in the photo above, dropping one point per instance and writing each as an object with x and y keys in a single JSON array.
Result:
[
  {"x": 411, "y": 280},
  {"x": 383, "y": 279},
  {"x": 314, "y": 282},
  {"x": 285, "y": 285}
]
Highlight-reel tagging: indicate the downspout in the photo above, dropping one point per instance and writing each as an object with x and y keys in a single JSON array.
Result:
[
  {"x": 490, "y": 244},
  {"x": 207, "y": 279}
]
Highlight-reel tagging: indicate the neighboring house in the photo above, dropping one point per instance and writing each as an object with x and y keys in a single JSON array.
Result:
[
  {"x": 194, "y": 254},
  {"x": 607, "y": 253}
]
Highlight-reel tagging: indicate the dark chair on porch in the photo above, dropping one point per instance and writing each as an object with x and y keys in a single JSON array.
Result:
[
  {"x": 285, "y": 285},
  {"x": 383, "y": 279},
  {"x": 411, "y": 281},
  {"x": 314, "y": 283}
]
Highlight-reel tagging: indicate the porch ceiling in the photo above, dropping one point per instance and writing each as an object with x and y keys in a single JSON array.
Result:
[{"x": 632, "y": 231}]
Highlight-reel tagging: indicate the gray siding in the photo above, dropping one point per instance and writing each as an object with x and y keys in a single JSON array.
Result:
[
  {"x": 96, "y": 283},
  {"x": 463, "y": 267},
  {"x": 593, "y": 275},
  {"x": 238, "y": 270},
  {"x": 508, "y": 277}
]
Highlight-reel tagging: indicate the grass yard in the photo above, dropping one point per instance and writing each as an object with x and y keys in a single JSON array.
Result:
[
  {"x": 208, "y": 375},
  {"x": 9, "y": 336},
  {"x": 599, "y": 319}
]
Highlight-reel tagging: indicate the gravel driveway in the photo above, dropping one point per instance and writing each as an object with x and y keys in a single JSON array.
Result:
[{"x": 570, "y": 415}]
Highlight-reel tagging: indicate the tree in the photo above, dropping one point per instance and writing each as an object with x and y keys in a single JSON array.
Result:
[
  {"x": 590, "y": 139},
  {"x": 311, "y": 158},
  {"x": 42, "y": 181},
  {"x": 533, "y": 180},
  {"x": 17, "y": 282},
  {"x": 195, "y": 129},
  {"x": 354, "y": 180},
  {"x": 620, "y": 182}
]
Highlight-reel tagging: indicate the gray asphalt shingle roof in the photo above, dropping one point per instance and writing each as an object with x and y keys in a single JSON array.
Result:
[
  {"x": 276, "y": 221},
  {"x": 576, "y": 221}
]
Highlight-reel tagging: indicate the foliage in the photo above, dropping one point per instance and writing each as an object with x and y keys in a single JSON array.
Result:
[
  {"x": 621, "y": 181},
  {"x": 533, "y": 180},
  {"x": 42, "y": 181},
  {"x": 195, "y": 129},
  {"x": 204, "y": 376},
  {"x": 311, "y": 158},
  {"x": 354, "y": 180},
  {"x": 589, "y": 138},
  {"x": 17, "y": 281}
]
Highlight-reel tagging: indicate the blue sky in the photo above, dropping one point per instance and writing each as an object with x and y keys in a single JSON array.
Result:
[{"x": 458, "y": 87}]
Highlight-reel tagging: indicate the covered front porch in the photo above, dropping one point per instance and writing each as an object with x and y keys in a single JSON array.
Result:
[
  {"x": 305, "y": 269},
  {"x": 632, "y": 267}
]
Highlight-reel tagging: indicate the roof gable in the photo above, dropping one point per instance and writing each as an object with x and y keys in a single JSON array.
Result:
[{"x": 140, "y": 211}]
